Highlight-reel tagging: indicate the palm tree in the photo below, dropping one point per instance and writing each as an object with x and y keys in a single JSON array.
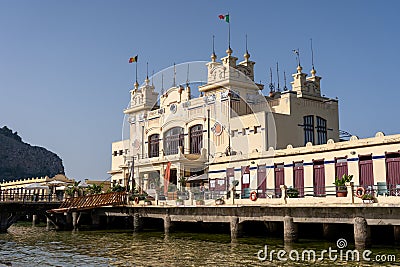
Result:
[
  {"x": 73, "y": 190},
  {"x": 95, "y": 189}
]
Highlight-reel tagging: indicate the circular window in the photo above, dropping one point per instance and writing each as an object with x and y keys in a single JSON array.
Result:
[{"x": 173, "y": 108}]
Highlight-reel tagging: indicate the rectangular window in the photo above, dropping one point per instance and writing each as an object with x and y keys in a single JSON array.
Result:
[
  {"x": 319, "y": 178},
  {"x": 392, "y": 175},
  {"x": 245, "y": 181},
  {"x": 366, "y": 171},
  {"x": 340, "y": 167},
  {"x": 154, "y": 145},
  {"x": 321, "y": 131},
  {"x": 261, "y": 180},
  {"x": 279, "y": 178},
  {"x": 298, "y": 177},
  {"x": 257, "y": 129},
  {"x": 308, "y": 125},
  {"x": 196, "y": 139}
]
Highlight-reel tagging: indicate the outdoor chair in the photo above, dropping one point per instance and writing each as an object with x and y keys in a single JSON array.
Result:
[
  {"x": 382, "y": 189},
  {"x": 246, "y": 193},
  {"x": 397, "y": 190}
]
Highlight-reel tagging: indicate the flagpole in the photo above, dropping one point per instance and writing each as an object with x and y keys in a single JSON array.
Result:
[
  {"x": 229, "y": 32},
  {"x": 136, "y": 71}
]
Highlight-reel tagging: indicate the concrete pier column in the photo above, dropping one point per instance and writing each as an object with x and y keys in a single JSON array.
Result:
[
  {"x": 396, "y": 233},
  {"x": 35, "y": 220},
  {"x": 328, "y": 230},
  {"x": 68, "y": 218},
  {"x": 75, "y": 220},
  {"x": 49, "y": 224},
  {"x": 362, "y": 233},
  {"x": 167, "y": 224},
  {"x": 137, "y": 222},
  {"x": 290, "y": 233},
  {"x": 95, "y": 220},
  {"x": 235, "y": 228}
]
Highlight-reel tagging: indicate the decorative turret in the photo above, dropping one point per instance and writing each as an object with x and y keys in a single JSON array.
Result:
[
  {"x": 229, "y": 60},
  {"x": 247, "y": 66},
  {"x": 306, "y": 86},
  {"x": 213, "y": 64},
  {"x": 314, "y": 82}
]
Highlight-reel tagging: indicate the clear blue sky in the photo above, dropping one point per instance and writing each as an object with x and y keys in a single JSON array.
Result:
[{"x": 65, "y": 77}]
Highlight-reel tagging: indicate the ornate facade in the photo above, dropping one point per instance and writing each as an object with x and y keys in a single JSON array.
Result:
[{"x": 232, "y": 131}]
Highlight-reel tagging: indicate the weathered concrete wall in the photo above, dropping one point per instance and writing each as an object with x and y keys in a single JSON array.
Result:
[{"x": 389, "y": 215}]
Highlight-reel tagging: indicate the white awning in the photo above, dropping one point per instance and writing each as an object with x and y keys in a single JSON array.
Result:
[{"x": 201, "y": 177}]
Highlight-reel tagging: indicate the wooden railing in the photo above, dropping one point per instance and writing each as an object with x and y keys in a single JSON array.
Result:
[{"x": 92, "y": 201}]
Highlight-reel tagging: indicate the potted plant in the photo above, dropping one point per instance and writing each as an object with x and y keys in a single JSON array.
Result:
[
  {"x": 199, "y": 201},
  {"x": 368, "y": 198},
  {"x": 179, "y": 202},
  {"x": 341, "y": 188},
  {"x": 219, "y": 201},
  {"x": 292, "y": 192}
]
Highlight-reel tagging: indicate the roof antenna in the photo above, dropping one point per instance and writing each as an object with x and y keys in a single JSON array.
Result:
[
  {"x": 174, "y": 81},
  {"x": 213, "y": 55},
  {"x": 312, "y": 54},
  {"x": 213, "y": 44},
  {"x": 247, "y": 51},
  {"x": 313, "y": 71},
  {"x": 187, "y": 76},
  {"x": 277, "y": 74},
  {"x": 147, "y": 70},
  {"x": 284, "y": 78},
  {"x": 271, "y": 85},
  {"x": 297, "y": 52},
  {"x": 162, "y": 83}
]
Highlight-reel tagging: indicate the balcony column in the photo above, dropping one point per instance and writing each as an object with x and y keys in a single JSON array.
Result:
[
  {"x": 178, "y": 175},
  {"x": 145, "y": 181}
]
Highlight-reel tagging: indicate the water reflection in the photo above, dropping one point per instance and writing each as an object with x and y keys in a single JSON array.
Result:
[{"x": 27, "y": 246}]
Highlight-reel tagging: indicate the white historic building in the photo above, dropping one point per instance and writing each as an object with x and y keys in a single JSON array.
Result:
[{"x": 234, "y": 132}]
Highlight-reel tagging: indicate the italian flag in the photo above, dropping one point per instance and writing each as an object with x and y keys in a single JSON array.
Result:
[{"x": 224, "y": 17}]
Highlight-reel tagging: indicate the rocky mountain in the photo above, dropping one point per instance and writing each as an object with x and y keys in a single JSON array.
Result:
[{"x": 21, "y": 160}]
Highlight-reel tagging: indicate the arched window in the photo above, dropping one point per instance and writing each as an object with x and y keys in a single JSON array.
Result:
[
  {"x": 173, "y": 138},
  {"x": 154, "y": 146},
  {"x": 196, "y": 139}
]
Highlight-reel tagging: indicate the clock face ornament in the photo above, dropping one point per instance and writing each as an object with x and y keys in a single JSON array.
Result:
[{"x": 173, "y": 108}]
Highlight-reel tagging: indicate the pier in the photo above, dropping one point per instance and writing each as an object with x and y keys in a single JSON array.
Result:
[{"x": 282, "y": 215}]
